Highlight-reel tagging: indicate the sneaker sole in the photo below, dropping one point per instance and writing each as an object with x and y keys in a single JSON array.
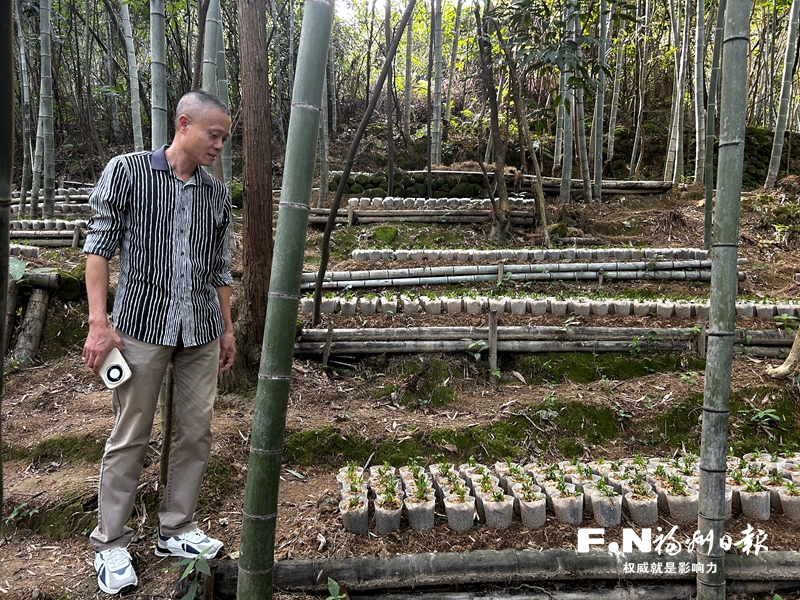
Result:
[
  {"x": 162, "y": 552},
  {"x": 123, "y": 590}
]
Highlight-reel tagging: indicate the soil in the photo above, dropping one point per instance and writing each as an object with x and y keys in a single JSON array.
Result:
[{"x": 59, "y": 399}]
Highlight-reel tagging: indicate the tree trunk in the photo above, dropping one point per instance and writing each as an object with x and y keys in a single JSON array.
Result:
[
  {"x": 278, "y": 86},
  {"x": 436, "y": 144},
  {"x": 257, "y": 559},
  {"x": 112, "y": 76},
  {"x": 711, "y": 123},
  {"x": 256, "y": 180},
  {"x": 36, "y": 172},
  {"x": 389, "y": 125},
  {"x": 786, "y": 93},
  {"x": 722, "y": 317},
  {"x": 46, "y": 101},
  {"x": 501, "y": 221},
  {"x": 453, "y": 53},
  {"x": 332, "y": 83},
  {"x": 561, "y": 111},
  {"x": 26, "y": 107},
  {"x": 407, "y": 102},
  {"x": 158, "y": 76},
  {"x": 6, "y": 175},
  {"x": 324, "y": 177},
  {"x": 133, "y": 79},
  {"x": 612, "y": 116}
]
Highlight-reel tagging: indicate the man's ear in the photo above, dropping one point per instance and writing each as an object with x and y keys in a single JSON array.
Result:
[{"x": 183, "y": 123}]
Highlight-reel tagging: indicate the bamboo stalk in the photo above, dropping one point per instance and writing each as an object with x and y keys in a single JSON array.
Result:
[
  {"x": 6, "y": 176},
  {"x": 259, "y": 513},
  {"x": 722, "y": 316}
]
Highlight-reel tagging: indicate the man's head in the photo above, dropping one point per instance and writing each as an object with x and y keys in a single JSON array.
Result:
[{"x": 202, "y": 124}]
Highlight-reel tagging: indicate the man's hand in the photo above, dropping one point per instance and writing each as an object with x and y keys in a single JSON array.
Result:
[
  {"x": 98, "y": 343},
  {"x": 227, "y": 351}
]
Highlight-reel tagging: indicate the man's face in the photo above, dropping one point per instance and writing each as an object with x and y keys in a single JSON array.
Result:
[{"x": 204, "y": 135}]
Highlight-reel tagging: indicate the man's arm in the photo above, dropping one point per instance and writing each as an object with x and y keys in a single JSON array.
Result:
[
  {"x": 227, "y": 343},
  {"x": 102, "y": 336}
]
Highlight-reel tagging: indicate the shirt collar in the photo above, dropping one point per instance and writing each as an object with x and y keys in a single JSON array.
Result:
[{"x": 158, "y": 161}]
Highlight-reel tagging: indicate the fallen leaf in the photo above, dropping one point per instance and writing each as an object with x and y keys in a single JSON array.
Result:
[
  {"x": 450, "y": 447},
  {"x": 519, "y": 376}
]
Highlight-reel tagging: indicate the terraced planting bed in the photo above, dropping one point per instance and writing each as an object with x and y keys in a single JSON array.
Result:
[{"x": 392, "y": 407}]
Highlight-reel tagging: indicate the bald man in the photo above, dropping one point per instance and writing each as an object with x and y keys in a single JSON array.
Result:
[{"x": 168, "y": 219}]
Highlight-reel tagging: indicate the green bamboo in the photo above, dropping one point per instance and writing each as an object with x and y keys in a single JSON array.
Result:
[
  {"x": 133, "y": 78},
  {"x": 257, "y": 559},
  {"x": 699, "y": 88},
  {"x": 6, "y": 172},
  {"x": 436, "y": 142},
  {"x": 46, "y": 107},
  {"x": 222, "y": 92},
  {"x": 716, "y": 396},
  {"x": 711, "y": 119},
  {"x": 453, "y": 52},
  {"x": 158, "y": 75},
  {"x": 599, "y": 106},
  {"x": 210, "y": 48},
  {"x": 786, "y": 93}
]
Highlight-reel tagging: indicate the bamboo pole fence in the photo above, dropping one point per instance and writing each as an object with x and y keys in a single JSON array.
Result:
[
  {"x": 532, "y": 339},
  {"x": 686, "y": 270}
]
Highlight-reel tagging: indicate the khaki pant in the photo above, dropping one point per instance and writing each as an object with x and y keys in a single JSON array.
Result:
[{"x": 135, "y": 402}]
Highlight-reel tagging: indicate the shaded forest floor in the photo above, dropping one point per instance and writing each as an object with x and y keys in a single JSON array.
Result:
[{"x": 56, "y": 415}]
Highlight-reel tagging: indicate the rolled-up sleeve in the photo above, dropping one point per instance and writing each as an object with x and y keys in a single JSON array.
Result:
[{"x": 108, "y": 201}]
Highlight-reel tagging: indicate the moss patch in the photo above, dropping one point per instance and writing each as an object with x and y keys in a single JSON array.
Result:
[
  {"x": 59, "y": 449},
  {"x": 580, "y": 367},
  {"x": 385, "y": 234}
]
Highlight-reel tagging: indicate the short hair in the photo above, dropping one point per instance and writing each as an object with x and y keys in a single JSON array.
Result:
[{"x": 196, "y": 101}]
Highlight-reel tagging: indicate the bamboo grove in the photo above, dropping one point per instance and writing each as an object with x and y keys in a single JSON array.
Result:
[{"x": 614, "y": 89}]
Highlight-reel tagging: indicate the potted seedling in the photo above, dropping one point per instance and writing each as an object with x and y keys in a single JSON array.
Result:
[
  {"x": 532, "y": 506},
  {"x": 755, "y": 501},
  {"x": 773, "y": 483},
  {"x": 681, "y": 500},
  {"x": 388, "y": 510},
  {"x": 790, "y": 500},
  {"x": 642, "y": 505},
  {"x": 355, "y": 517},
  {"x": 420, "y": 506},
  {"x": 498, "y": 509},
  {"x": 607, "y": 506},
  {"x": 460, "y": 508},
  {"x": 567, "y": 503}
]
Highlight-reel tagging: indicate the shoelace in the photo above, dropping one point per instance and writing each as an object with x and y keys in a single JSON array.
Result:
[{"x": 116, "y": 560}]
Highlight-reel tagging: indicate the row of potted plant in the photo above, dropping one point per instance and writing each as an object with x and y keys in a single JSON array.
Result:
[{"x": 755, "y": 486}]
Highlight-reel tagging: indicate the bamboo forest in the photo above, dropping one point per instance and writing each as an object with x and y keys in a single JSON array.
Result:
[{"x": 504, "y": 297}]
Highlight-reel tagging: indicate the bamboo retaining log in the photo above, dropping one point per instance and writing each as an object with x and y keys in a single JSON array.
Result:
[
  {"x": 503, "y": 567},
  {"x": 529, "y": 333},
  {"x": 28, "y": 341},
  {"x": 371, "y": 347},
  {"x": 47, "y": 281}
]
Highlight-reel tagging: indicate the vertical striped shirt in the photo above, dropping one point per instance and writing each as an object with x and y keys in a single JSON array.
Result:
[{"x": 172, "y": 241}]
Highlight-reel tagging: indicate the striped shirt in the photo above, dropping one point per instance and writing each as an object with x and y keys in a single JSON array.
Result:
[{"x": 172, "y": 240}]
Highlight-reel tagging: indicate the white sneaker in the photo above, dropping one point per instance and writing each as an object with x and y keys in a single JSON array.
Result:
[
  {"x": 114, "y": 570},
  {"x": 187, "y": 545}
]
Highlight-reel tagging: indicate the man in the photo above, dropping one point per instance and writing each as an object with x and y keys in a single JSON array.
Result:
[{"x": 169, "y": 219}]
